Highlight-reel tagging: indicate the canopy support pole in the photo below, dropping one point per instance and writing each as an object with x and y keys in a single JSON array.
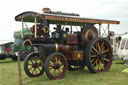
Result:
[
  {"x": 99, "y": 30},
  {"x": 71, "y": 28},
  {"x": 22, "y": 33},
  {"x": 108, "y": 29},
  {"x": 35, "y": 27}
]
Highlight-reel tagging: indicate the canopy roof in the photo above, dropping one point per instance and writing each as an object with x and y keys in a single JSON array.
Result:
[{"x": 62, "y": 19}]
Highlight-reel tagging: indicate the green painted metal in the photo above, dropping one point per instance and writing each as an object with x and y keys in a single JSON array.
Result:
[
  {"x": 17, "y": 34},
  {"x": 19, "y": 41}
]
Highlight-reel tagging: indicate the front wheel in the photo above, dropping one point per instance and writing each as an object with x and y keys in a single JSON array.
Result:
[
  {"x": 98, "y": 55},
  {"x": 56, "y": 66},
  {"x": 33, "y": 65}
]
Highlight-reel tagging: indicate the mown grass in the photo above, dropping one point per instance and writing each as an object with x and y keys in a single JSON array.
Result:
[{"x": 9, "y": 76}]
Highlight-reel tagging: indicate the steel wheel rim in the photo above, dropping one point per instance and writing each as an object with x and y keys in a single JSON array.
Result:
[
  {"x": 101, "y": 56},
  {"x": 57, "y": 66}
]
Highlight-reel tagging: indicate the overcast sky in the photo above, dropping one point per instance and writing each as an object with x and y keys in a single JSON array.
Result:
[{"x": 99, "y": 9}]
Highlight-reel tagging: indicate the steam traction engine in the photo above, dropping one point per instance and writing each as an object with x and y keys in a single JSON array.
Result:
[{"x": 62, "y": 48}]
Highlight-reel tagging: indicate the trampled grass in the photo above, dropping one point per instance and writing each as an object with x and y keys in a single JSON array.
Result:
[{"x": 9, "y": 76}]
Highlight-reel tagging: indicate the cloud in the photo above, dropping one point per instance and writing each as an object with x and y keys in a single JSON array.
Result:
[{"x": 101, "y": 9}]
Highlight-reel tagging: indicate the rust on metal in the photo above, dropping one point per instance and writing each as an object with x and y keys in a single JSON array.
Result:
[
  {"x": 46, "y": 10},
  {"x": 78, "y": 19},
  {"x": 72, "y": 39}
]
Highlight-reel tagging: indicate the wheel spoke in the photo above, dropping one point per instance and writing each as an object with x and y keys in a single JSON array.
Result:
[
  {"x": 40, "y": 64},
  {"x": 106, "y": 59},
  {"x": 97, "y": 65},
  {"x": 56, "y": 60},
  {"x": 103, "y": 61},
  {"x": 102, "y": 49},
  {"x": 100, "y": 65},
  {"x": 99, "y": 47},
  {"x": 93, "y": 56},
  {"x": 103, "y": 64},
  {"x": 102, "y": 45},
  {"x": 38, "y": 69},
  {"x": 93, "y": 60},
  {"x": 61, "y": 67},
  {"x": 51, "y": 62},
  {"x": 105, "y": 51},
  {"x": 33, "y": 70},
  {"x": 103, "y": 67},
  {"x": 59, "y": 70},
  {"x": 61, "y": 64},
  {"x": 95, "y": 50},
  {"x": 32, "y": 61},
  {"x": 35, "y": 58},
  {"x": 51, "y": 65},
  {"x": 30, "y": 68},
  {"x": 53, "y": 71}
]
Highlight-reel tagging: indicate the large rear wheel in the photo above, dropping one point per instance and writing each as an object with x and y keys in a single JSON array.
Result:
[
  {"x": 98, "y": 55},
  {"x": 33, "y": 65}
]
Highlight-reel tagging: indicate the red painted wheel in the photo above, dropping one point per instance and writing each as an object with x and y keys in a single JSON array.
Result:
[
  {"x": 56, "y": 66},
  {"x": 98, "y": 55},
  {"x": 33, "y": 66}
]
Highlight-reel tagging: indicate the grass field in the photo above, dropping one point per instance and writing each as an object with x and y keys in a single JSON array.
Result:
[{"x": 9, "y": 76}]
